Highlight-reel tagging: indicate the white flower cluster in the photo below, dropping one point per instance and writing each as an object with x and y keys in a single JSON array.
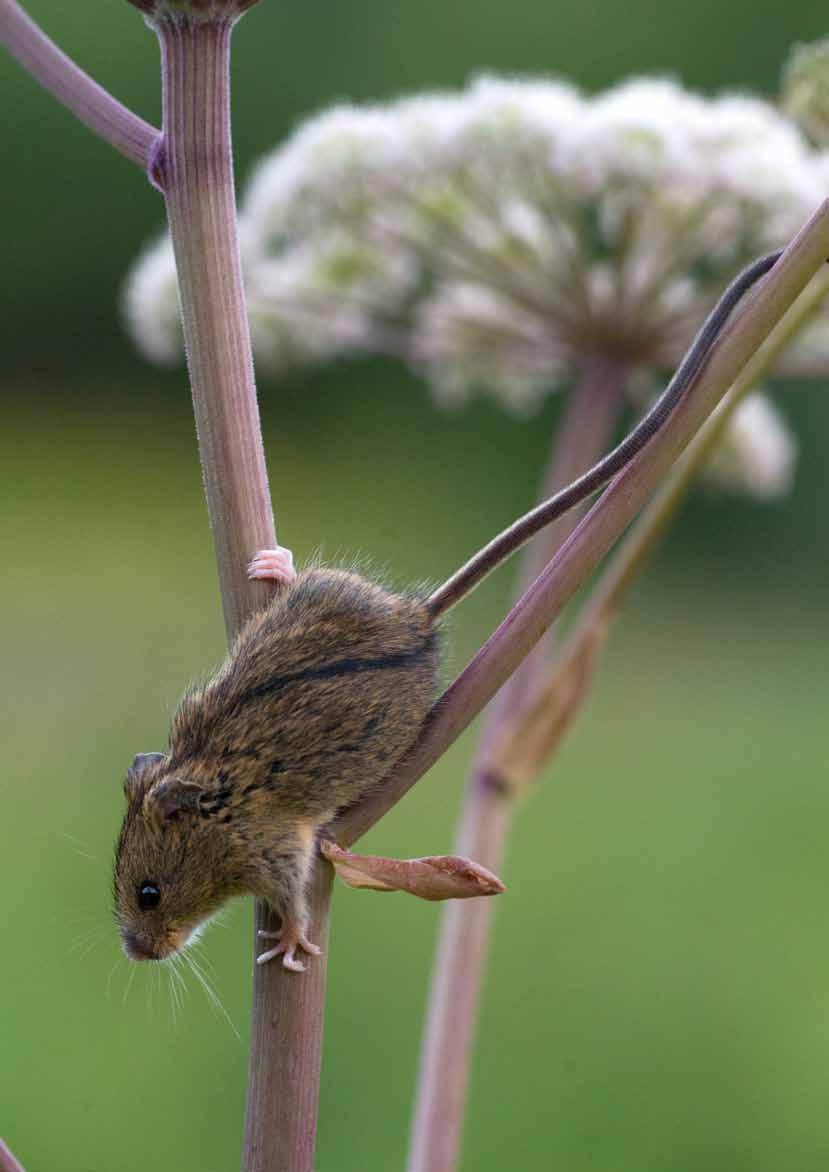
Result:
[
  {"x": 805, "y": 93},
  {"x": 757, "y": 453},
  {"x": 493, "y": 237},
  {"x": 151, "y": 304}
]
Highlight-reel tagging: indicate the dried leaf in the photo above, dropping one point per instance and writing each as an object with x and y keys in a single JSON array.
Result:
[
  {"x": 433, "y": 878},
  {"x": 529, "y": 743}
]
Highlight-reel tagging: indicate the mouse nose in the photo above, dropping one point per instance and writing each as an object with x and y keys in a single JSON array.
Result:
[{"x": 137, "y": 948}]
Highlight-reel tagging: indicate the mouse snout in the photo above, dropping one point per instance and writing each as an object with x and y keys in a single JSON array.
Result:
[{"x": 138, "y": 947}]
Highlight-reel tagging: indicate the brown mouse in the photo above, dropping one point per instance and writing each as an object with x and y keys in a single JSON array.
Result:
[{"x": 320, "y": 694}]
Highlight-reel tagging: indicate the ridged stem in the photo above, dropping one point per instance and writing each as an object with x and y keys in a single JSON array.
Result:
[
  {"x": 484, "y": 826},
  {"x": 195, "y": 170},
  {"x": 73, "y": 88},
  {"x": 194, "y": 167},
  {"x": 286, "y": 1049}
]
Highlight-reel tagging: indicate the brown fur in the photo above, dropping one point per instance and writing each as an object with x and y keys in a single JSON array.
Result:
[{"x": 321, "y": 693}]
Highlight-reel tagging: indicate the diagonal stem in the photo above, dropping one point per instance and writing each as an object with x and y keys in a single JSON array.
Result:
[
  {"x": 651, "y": 525},
  {"x": 485, "y": 820},
  {"x": 530, "y": 741},
  {"x": 8, "y": 1162},
  {"x": 584, "y": 434},
  {"x": 73, "y": 88},
  {"x": 598, "y": 531}
]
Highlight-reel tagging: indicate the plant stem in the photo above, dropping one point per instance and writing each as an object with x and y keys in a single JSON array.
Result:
[
  {"x": 530, "y": 741},
  {"x": 650, "y": 526},
  {"x": 73, "y": 88},
  {"x": 8, "y": 1163},
  {"x": 195, "y": 170},
  {"x": 596, "y": 533},
  {"x": 584, "y": 434},
  {"x": 286, "y": 1049},
  {"x": 486, "y": 817}
]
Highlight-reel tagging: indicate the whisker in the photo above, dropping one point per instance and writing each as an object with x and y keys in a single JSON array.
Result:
[
  {"x": 130, "y": 979},
  {"x": 82, "y": 954},
  {"x": 220, "y": 918},
  {"x": 204, "y": 961},
  {"x": 210, "y": 993},
  {"x": 78, "y": 844},
  {"x": 111, "y": 972},
  {"x": 173, "y": 1002},
  {"x": 177, "y": 985},
  {"x": 84, "y": 942},
  {"x": 150, "y": 994}
]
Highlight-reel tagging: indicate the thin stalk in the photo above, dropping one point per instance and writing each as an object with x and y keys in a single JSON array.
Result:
[
  {"x": 8, "y": 1162},
  {"x": 593, "y": 537},
  {"x": 195, "y": 170},
  {"x": 286, "y": 1049},
  {"x": 486, "y": 816},
  {"x": 649, "y": 528},
  {"x": 530, "y": 741},
  {"x": 584, "y": 434},
  {"x": 73, "y": 88}
]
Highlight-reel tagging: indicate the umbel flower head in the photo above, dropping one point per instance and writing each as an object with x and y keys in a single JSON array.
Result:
[{"x": 495, "y": 237}]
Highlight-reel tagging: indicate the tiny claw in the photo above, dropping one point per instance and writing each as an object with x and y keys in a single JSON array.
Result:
[
  {"x": 273, "y": 565},
  {"x": 289, "y": 961},
  {"x": 290, "y": 939}
]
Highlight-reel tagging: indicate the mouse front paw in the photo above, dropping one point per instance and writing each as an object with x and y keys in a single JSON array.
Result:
[
  {"x": 290, "y": 939},
  {"x": 273, "y": 565}
]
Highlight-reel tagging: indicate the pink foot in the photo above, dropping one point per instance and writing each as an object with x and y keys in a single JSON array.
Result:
[
  {"x": 273, "y": 565},
  {"x": 290, "y": 939}
]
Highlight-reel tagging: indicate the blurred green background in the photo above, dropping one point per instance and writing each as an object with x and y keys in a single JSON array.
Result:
[{"x": 659, "y": 989}]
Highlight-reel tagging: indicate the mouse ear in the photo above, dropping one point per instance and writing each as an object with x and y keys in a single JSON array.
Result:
[
  {"x": 172, "y": 797},
  {"x": 139, "y": 767}
]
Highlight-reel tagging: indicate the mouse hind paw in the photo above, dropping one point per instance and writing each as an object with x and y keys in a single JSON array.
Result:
[{"x": 290, "y": 938}]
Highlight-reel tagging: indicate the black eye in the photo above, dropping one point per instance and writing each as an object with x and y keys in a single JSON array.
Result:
[{"x": 148, "y": 895}]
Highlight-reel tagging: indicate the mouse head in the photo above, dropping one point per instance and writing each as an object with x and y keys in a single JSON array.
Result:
[{"x": 173, "y": 868}]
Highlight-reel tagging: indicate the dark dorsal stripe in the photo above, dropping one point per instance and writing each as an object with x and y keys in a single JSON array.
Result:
[{"x": 340, "y": 667}]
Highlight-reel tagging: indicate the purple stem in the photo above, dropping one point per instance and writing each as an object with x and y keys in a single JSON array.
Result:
[
  {"x": 460, "y": 959},
  {"x": 73, "y": 88},
  {"x": 597, "y": 532},
  {"x": 195, "y": 169},
  {"x": 8, "y": 1163}
]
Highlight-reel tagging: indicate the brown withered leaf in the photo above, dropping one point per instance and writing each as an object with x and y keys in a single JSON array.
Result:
[
  {"x": 531, "y": 741},
  {"x": 433, "y": 878}
]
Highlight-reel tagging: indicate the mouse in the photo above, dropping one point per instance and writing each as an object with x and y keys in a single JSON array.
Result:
[{"x": 322, "y": 691}]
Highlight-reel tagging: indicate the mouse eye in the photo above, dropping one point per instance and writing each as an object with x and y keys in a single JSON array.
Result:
[{"x": 149, "y": 895}]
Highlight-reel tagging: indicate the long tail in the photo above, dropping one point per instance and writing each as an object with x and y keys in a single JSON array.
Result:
[{"x": 506, "y": 543}]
